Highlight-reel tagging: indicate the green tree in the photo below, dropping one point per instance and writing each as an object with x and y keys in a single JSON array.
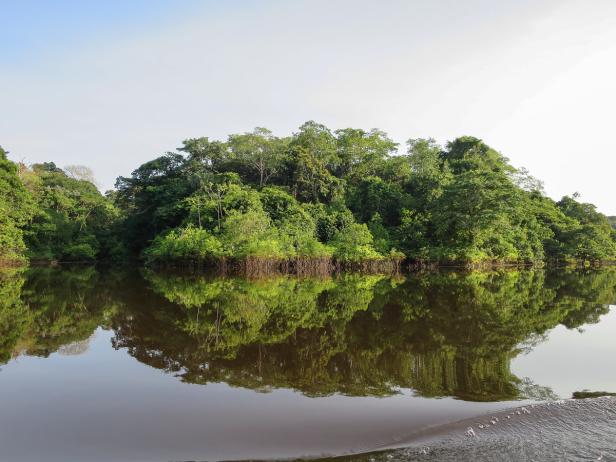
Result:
[
  {"x": 372, "y": 195},
  {"x": 362, "y": 153},
  {"x": 260, "y": 151},
  {"x": 463, "y": 203},
  {"x": 313, "y": 157},
  {"x": 73, "y": 220},
  {"x": 16, "y": 210},
  {"x": 354, "y": 243},
  {"x": 151, "y": 197}
]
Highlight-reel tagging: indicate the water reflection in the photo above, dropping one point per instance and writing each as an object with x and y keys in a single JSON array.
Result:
[
  {"x": 442, "y": 334},
  {"x": 44, "y": 309}
]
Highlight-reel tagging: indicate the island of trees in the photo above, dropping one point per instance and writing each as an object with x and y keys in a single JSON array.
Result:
[{"x": 319, "y": 198}]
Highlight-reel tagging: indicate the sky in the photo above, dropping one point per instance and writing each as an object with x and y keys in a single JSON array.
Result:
[{"x": 113, "y": 84}]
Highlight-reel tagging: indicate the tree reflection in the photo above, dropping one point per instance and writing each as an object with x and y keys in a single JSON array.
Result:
[
  {"x": 14, "y": 314},
  {"x": 43, "y": 309},
  {"x": 439, "y": 334},
  {"x": 445, "y": 334}
]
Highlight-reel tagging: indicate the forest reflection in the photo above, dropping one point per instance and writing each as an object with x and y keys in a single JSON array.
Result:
[{"x": 439, "y": 334}]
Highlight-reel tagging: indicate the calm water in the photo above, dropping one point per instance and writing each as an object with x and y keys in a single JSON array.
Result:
[{"x": 143, "y": 366}]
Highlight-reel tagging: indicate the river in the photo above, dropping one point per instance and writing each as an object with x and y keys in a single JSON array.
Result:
[{"x": 135, "y": 365}]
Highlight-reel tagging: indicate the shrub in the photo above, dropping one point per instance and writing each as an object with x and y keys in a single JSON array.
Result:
[
  {"x": 188, "y": 244},
  {"x": 354, "y": 243}
]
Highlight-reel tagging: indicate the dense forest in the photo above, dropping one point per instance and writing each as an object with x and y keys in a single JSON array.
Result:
[
  {"x": 47, "y": 213},
  {"x": 318, "y": 197}
]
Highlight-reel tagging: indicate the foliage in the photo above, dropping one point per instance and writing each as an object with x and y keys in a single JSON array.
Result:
[
  {"x": 16, "y": 209},
  {"x": 334, "y": 195},
  {"x": 311, "y": 193},
  {"x": 47, "y": 214},
  {"x": 73, "y": 220},
  {"x": 354, "y": 243},
  {"x": 188, "y": 244}
]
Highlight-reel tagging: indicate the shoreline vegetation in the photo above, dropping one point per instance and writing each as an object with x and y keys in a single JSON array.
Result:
[{"x": 316, "y": 201}]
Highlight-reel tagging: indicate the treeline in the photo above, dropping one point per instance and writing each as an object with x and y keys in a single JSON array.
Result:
[{"x": 318, "y": 197}]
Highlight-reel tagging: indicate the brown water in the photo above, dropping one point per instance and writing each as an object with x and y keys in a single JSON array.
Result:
[{"x": 142, "y": 366}]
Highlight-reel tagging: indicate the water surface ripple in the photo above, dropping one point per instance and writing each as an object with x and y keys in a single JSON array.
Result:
[{"x": 566, "y": 430}]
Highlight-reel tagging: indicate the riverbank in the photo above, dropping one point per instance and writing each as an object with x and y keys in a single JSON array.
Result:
[{"x": 254, "y": 266}]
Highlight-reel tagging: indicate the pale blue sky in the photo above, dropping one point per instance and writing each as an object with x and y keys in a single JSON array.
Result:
[
  {"x": 33, "y": 28},
  {"x": 113, "y": 84}
]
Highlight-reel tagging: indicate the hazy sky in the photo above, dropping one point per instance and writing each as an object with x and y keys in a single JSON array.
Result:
[{"x": 113, "y": 84}]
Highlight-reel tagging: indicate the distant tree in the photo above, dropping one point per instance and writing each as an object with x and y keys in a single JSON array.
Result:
[
  {"x": 424, "y": 157},
  {"x": 527, "y": 182},
  {"x": 151, "y": 198},
  {"x": 73, "y": 220},
  {"x": 261, "y": 151},
  {"x": 591, "y": 237},
  {"x": 371, "y": 194},
  {"x": 81, "y": 172},
  {"x": 362, "y": 153},
  {"x": 314, "y": 156},
  {"x": 470, "y": 153},
  {"x": 204, "y": 155}
]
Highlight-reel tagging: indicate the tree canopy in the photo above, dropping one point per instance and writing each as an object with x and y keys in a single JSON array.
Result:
[
  {"x": 348, "y": 196},
  {"x": 351, "y": 195},
  {"x": 47, "y": 214}
]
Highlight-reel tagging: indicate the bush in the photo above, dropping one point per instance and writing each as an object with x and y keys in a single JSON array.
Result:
[
  {"x": 354, "y": 243},
  {"x": 188, "y": 244}
]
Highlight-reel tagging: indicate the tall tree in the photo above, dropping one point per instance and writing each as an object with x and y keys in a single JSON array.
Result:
[
  {"x": 362, "y": 153},
  {"x": 314, "y": 156},
  {"x": 260, "y": 151}
]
